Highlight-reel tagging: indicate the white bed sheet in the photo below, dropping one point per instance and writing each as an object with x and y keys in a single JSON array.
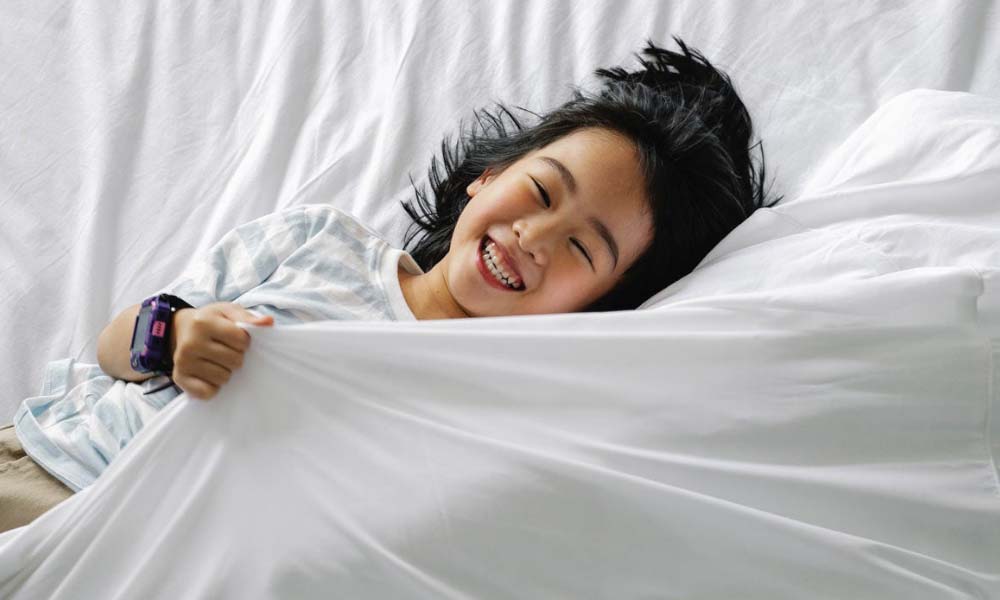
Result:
[
  {"x": 810, "y": 414},
  {"x": 775, "y": 425},
  {"x": 844, "y": 474},
  {"x": 134, "y": 135}
]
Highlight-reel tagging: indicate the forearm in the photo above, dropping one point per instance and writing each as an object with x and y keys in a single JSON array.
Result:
[{"x": 113, "y": 347}]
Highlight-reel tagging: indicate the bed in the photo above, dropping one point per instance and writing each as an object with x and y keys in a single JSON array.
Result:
[{"x": 812, "y": 413}]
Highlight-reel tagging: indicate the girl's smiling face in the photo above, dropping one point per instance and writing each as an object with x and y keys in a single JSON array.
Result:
[{"x": 562, "y": 224}]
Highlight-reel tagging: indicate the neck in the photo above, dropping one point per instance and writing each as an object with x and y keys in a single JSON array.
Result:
[{"x": 428, "y": 296}]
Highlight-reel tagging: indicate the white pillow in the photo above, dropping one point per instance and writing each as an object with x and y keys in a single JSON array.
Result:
[{"x": 915, "y": 186}]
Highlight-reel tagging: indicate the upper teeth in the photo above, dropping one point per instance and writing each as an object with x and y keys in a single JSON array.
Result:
[{"x": 494, "y": 265}]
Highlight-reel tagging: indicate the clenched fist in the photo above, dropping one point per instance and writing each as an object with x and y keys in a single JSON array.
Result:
[{"x": 207, "y": 346}]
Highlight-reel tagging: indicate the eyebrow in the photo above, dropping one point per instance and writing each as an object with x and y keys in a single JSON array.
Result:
[{"x": 570, "y": 182}]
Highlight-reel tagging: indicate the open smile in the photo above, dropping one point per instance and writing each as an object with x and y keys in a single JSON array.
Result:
[{"x": 495, "y": 274}]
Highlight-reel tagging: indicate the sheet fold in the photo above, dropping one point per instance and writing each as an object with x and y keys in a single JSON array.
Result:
[{"x": 776, "y": 452}]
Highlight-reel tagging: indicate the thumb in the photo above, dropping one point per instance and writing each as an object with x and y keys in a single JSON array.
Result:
[
  {"x": 258, "y": 319},
  {"x": 237, "y": 313}
]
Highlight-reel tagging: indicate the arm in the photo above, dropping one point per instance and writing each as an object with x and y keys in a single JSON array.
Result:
[
  {"x": 212, "y": 346},
  {"x": 276, "y": 236},
  {"x": 113, "y": 347}
]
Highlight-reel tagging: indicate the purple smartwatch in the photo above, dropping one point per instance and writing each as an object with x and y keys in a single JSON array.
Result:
[{"x": 151, "y": 336}]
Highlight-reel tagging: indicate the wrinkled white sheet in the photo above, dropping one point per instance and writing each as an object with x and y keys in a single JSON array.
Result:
[
  {"x": 811, "y": 414},
  {"x": 133, "y": 135}
]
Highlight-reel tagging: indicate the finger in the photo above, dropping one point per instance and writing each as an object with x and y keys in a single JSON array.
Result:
[
  {"x": 195, "y": 387},
  {"x": 221, "y": 354},
  {"x": 237, "y": 313},
  {"x": 209, "y": 323},
  {"x": 226, "y": 332},
  {"x": 259, "y": 319},
  {"x": 209, "y": 372}
]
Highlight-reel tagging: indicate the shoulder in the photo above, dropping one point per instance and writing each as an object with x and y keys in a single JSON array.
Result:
[{"x": 323, "y": 217}]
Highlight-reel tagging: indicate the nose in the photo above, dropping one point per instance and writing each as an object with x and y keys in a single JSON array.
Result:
[{"x": 535, "y": 236}]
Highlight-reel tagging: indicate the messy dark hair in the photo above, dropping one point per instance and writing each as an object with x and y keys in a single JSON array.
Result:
[{"x": 692, "y": 134}]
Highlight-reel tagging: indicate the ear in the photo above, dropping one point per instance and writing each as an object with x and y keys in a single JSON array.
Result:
[{"x": 479, "y": 182}]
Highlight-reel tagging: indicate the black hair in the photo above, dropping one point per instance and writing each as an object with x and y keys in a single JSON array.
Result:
[{"x": 692, "y": 135}]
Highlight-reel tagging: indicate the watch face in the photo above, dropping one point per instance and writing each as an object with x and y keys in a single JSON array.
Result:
[{"x": 141, "y": 327}]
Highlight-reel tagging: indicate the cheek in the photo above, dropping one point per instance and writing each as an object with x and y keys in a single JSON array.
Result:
[
  {"x": 502, "y": 203},
  {"x": 567, "y": 290},
  {"x": 478, "y": 210},
  {"x": 469, "y": 222}
]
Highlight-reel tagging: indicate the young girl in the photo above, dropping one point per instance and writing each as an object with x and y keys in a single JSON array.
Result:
[{"x": 599, "y": 205}]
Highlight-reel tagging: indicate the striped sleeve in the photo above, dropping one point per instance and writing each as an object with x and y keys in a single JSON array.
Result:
[{"x": 244, "y": 258}]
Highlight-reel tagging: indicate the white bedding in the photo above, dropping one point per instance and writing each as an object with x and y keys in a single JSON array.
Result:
[
  {"x": 133, "y": 135},
  {"x": 823, "y": 429},
  {"x": 812, "y": 413}
]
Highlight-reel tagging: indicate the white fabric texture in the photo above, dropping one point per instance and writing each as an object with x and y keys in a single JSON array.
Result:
[
  {"x": 133, "y": 135},
  {"x": 305, "y": 263},
  {"x": 811, "y": 414},
  {"x": 821, "y": 425}
]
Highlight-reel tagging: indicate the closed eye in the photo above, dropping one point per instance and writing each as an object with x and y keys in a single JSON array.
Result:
[
  {"x": 548, "y": 202},
  {"x": 545, "y": 195},
  {"x": 584, "y": 250}
]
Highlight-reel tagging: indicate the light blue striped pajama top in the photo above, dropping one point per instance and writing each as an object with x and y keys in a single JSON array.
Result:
[{"x": 306, "y": 263}]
